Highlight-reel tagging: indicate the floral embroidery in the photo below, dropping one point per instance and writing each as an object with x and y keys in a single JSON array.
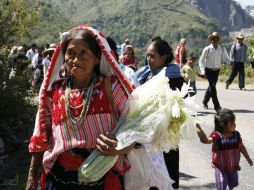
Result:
[{"x": 58, "y": 105}]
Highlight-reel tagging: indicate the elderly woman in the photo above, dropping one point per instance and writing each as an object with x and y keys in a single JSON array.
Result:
[
  {"x": 160, "y": 55},
  {"x": 130, "y": 59},
  {"x": 77, "y": 111}
]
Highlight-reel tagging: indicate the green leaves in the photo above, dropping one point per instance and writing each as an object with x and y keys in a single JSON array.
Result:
[{"x": 16, "y": 17}]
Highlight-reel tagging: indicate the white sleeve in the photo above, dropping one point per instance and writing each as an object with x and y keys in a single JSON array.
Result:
[
  {"x": 28, "y": 55},
  {"x": 202, "y": 60},
  {"x": 225, "y": 56},
  {"x": 35, "y": 61},
  {"x": 45, "y": 66},
  {"x": 131, "y": 75}
]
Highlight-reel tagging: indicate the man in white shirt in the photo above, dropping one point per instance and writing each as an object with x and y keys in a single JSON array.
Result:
[
  {"x": 210, "y": 62},
  {"x": 47, "y": 54},
  {"x": 31, "y": 52},
  {"x": 37, "y": 66}
]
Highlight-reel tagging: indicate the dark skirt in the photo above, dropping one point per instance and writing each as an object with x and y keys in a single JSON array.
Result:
[{"x": 61, "y": 179}]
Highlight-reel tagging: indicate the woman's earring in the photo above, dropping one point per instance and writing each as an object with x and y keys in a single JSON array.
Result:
[{"x": 63, "y": 72}]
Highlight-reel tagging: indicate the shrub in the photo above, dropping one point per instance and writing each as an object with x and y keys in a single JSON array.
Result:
[{"x": 16, "y": 111}]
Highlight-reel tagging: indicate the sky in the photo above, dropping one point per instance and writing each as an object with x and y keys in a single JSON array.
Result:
[{"x": 244, "y": 3}]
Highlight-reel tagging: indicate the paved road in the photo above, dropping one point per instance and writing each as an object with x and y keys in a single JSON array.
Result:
[{"x": 195, "y": 167}]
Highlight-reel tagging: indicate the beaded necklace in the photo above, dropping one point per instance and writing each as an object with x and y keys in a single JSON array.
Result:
[{"x": 78, "y": 120}]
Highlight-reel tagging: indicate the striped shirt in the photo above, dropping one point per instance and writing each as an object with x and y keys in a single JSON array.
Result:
[
  {"x": 226, "y": 151},
  {"x": 61, "y": 137}
]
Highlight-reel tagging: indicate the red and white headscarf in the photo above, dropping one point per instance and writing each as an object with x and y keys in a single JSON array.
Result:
[
  {"x": 108, "y": 67},
  {"x": 108, "y": 62}
]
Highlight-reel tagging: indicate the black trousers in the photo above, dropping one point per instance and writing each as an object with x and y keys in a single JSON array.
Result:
[
  {"x": 237, "y": 67},
  {"x": 172, "y": 162},
  {"x": 211, "y": 92}
]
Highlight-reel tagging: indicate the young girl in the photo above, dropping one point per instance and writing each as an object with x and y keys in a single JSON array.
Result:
[
  {"x": 190, "y": 70},
  {"x": 226, "y": 149}
]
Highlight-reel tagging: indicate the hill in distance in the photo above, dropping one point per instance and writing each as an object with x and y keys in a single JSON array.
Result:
[{"x": 138, "y": 20}]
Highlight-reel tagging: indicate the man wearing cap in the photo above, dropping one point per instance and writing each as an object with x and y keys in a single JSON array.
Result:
[
  {"x": 31, "y": 52},
  {"x": 210, "y": 62},
  {"x": 238, "y": 56}
]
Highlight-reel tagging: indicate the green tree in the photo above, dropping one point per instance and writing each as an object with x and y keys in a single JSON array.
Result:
[
  {"x": 251, "y": 46},
  {"x": 16, "y": 17},
  {"x": 16, "y": 112}
]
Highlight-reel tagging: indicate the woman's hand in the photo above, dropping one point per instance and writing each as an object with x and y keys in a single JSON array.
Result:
[
  {"x": 32, "y": 183},
  {"x": 107, "y": 144}
]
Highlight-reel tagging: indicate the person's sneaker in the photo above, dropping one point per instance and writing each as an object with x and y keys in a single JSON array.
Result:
[
  {"x": 227, "y": 85},
  {"x": 205, "y": 106},
  {"x": 243, "y": 89}
]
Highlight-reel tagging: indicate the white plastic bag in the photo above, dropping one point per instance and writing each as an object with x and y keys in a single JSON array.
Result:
[{"x": 147, "y": 170}]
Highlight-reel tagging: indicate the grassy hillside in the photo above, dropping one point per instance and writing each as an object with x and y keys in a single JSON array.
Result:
[
  {"x": 138, "y": 20},
  {"x": 51, "y": 22}
]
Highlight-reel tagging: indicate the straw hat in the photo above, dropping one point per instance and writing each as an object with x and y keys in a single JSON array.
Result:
[
  {"x": 20, "y": 48},
  {"x": 214, "y": 35},
  {"x": 129, "y": 46},
  {"x": 240, "y": 36},
  {"x": 52, "y": 47},
  {"x": 127, "y": 41}
]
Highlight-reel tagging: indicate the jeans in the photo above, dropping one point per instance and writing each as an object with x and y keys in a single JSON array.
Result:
[
  {"x": 237, "y": 67},
  {"x": 211, "y": 92}
]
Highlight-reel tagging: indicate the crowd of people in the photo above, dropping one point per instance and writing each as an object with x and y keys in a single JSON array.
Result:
[
  {"x": 84, "y": 94},
  {"x": 34, "y": 57}
]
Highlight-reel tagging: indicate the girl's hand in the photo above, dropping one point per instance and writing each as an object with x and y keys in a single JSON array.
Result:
[
  {"x": 107, "y": 144},
  {"x": 250, "y": 161}
]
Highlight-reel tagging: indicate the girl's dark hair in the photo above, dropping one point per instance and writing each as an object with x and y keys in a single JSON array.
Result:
[
  {"x": 113, "y": 46},
  {"x": 88, "y": 38},
  {"x": 162, "y": 47},
  {"x": 222, "y": 118}
]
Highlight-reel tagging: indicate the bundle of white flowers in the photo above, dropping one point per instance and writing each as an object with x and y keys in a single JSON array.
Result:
[{"x": 157, "y": 115}]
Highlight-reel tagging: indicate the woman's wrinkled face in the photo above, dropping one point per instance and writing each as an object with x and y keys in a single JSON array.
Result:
[
  {"x": 80, "y": 60},
  {"x": 154, "y": 59}
]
